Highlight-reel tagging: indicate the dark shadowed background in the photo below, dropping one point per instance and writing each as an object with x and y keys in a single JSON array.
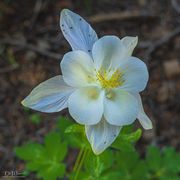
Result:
[{"x": 32, "y": 46}]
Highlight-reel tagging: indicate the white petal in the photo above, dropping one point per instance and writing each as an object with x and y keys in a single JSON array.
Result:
[
  {"x": 77, "y": 68},
  {"x": 101, "y": 135},
  {"x": 142, "y": 117},
  {"x": 49, "y": 96},
  {"x": 135, "y": 75},
  {"x": 107, "y": 52},
  {"x": 130, "y": 43},
  {"x": 77, "y": 31},
  {"x": 121, "y": 109},
  {"x": 86, "y": 105}
]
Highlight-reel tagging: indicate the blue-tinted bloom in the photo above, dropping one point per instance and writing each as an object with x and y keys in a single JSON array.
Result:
[{"x": 100, "y": 83}]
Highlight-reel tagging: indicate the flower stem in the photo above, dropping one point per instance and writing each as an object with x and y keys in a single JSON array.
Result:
[
  {"x": 79, "y": 162},
  {"x": 78, "y": 159}
]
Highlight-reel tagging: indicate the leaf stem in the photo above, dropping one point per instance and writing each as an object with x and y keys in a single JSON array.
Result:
[
  {"x": 78, "y": 159},
  {"x": 79, "y": 165}
]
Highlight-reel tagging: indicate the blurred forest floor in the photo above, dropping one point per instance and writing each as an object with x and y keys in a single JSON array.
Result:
[{"x": 32, "y": 45}]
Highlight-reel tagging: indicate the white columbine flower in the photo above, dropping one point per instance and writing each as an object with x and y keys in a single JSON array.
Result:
[{"x": 100, "y": 83}]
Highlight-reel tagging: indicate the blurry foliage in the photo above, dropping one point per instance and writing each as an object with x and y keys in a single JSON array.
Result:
[
  {"x": 45, "y": 159},
  {"x": 121, "y": 161},
  {"x": 88, "y": 4},
  {"x": 35, "y": 118},
  {"x": 11, "y": 58}
]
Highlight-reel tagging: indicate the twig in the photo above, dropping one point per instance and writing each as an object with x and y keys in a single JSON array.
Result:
[
  {"x": 165, "y": 39},
  {"x": 48, "y": 29},
  {"x": 31, "y": 47},
  {"x": 119, "y": 16},
  {"x": 175, "y": 5},
  {"x": 144, "y": 44},
  {"x": 37, "y": 9},
  {"x": 3, "y": 149},
  {"x": 8, "y": 69}
]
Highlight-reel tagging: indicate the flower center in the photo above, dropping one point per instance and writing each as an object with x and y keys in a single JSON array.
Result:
[
  {"x": 109, "y": 80},
  {"x": 93, "y": 93}
]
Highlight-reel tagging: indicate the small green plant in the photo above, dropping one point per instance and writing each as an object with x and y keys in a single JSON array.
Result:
[
  {"x": 35, "y": 118},
  {"x": 11, "y": 58},
  {"x": 45, "y": 159},
  {"x": 120, "y": 161},
  {"x": 163, "y": 164}
]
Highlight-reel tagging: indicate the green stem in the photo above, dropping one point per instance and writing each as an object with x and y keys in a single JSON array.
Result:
[
  {"x": 80, "y": 163},
  {"x": 78, "y": 159}
]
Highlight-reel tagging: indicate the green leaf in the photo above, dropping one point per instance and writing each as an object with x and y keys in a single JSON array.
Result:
[
  {"x": 45, "y": 159},
  {"x": 77, "y": 141},
  {"x": 171, "y": 160},
  {"x": 132, "y": 137},
  {"x": 140, "y": 171},
  {"x": 127, "y": 129},
  {"x": 127, "y": 160},
  {"x": 75, "y": 128},
  {"x": 72, "y": 133},
  {"x": 112, "y": 176},
  {"x": 30, "y": 151},
  {"x": 52, "y": 171},
  {"x": 62, "y": 124},
  {"x": 55, "y": 147},
  {"x": 163, "y": 165},
  {"x": 82, "y": 175},
  {"x": 107, "y": 158},
  {"x": 36, "y": 165},
  {"x": 122, "y": 145},
  {"x": 99, "y": 163},
  {"x": 93, "y": 161},
  {"x": 169, "y": 177},
  {"x": 124, "y": 141},
  {"x": 153, "y": 158}
]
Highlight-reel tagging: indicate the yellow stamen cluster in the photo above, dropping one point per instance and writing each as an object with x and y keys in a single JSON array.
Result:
[{"x": 113, "y": 81}]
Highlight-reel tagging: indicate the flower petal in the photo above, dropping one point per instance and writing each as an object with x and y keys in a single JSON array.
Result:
[
  {"x": 49, "y": 96},
  {"x": 77, "y": 31},
  {"x": 77, "y": 68},
  {"x": 135, "y": 75},
  {"x": 101, "y": 135},
  {"x": 142, "y": 117},
  {"x": 121, "y": 109},
  {"x": 107, "y": 51},
  {"x": 130, "y": 43},
  {"x": 86, "y": 105}
]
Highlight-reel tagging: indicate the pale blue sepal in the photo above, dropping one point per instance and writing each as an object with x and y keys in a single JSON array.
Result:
[
  {"x": 101, "y": 135},
  {"x": 142, "y": 117},
  {"x": 130, "y": 43},
  {"x": 77, "y": 31},
  {"x": 49, "y": 96}
]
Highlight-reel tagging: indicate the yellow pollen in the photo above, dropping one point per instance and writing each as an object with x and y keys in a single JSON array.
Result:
[{"x": 113, "y": 81}]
